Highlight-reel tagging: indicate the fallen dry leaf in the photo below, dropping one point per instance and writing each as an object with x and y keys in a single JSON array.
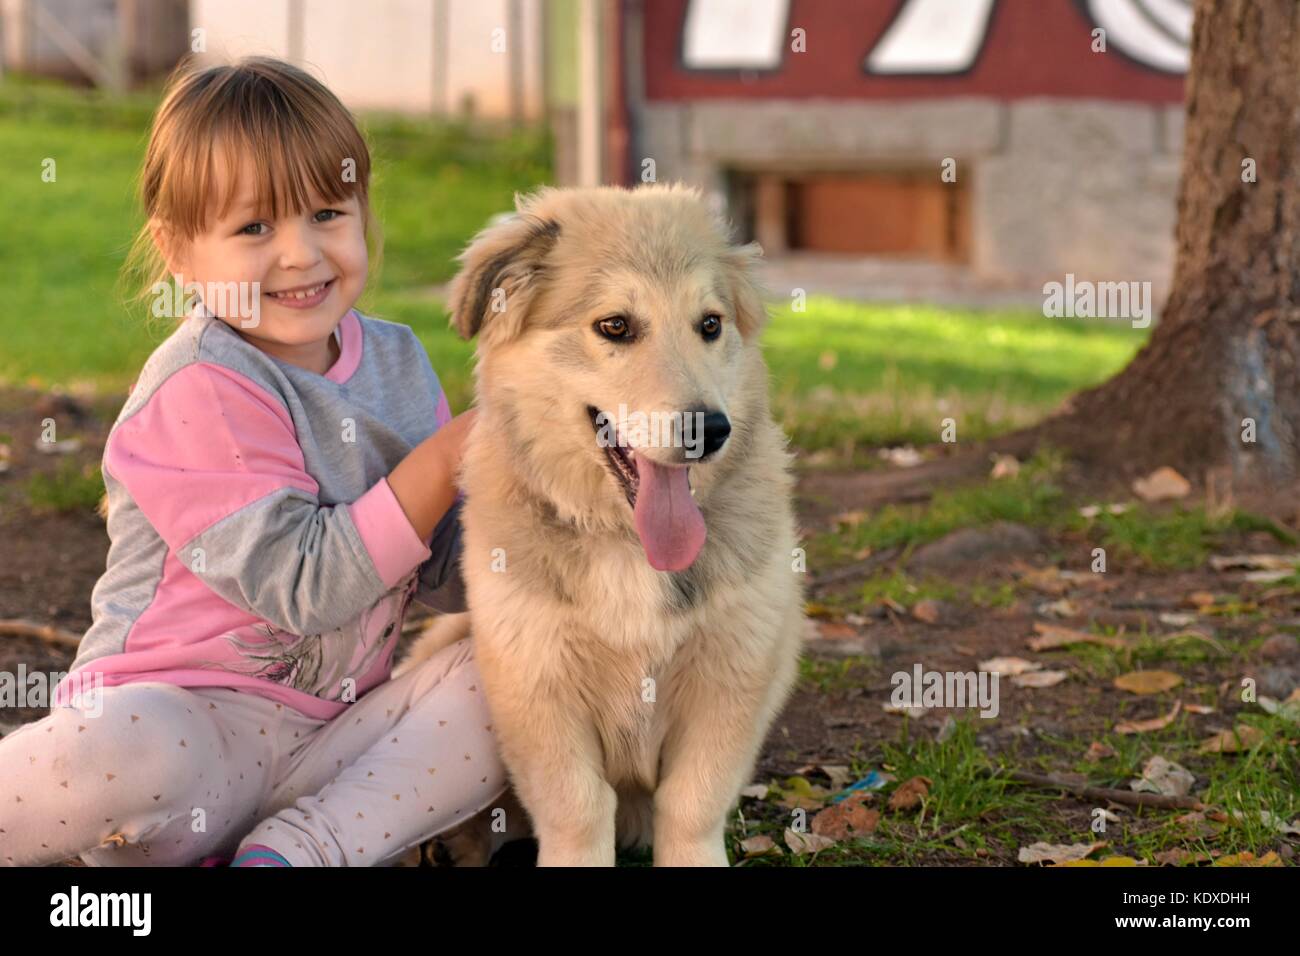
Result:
[
  {"x": 1048, "y": 579},
  {"x": 1268, "y": 577},
  {"x": 1056, "y": 852},
  {"x": 847, "y": 819},
  {"x": 1005, "y": 466},
  {"x": 761, "y": 845},
  {"x": 1147, "y": 726},
  {"x": 1063, "y": 607},
  {"x": 1053, "y": 635},
  {"x": 1272, "y": 821},
  {"x": 1008, "y": 666},
  {"x": 1108, "y": 861},
  {"x": 926, "y": 611},
  {"x": 910, "y": 793},
  {"x": 1243, "y": 737},
  {"x": 904, "y": 457},
  {"x": 850, "y": 519},
  {"x": 1147, "y": 682},
  {"x": 801, "y": 843},
  {"x": 835, "y": 631},
  {"x": 1288, "y": 709},
  {"x": 1164, "y": 776},
  {"x": 1040, "y": 678},
  {"x": 838, "y": 773},
  {"x": 1098, "y": 752},
  {"x": 1254, "y": 562},
  {"x": 1163, "y": 484},
  {"x": 1248, "y": 859},
  {"x": 799, "y": 794},
  {"x": 1178, "y": 857},
  {"x": 1200, "y": 599},
  {"x": 1200, "y": 709}
]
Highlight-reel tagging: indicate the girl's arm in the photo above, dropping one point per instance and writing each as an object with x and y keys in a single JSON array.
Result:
[
  {"x": 424, "y": 482},
  {"x": 213, "y": 462}
]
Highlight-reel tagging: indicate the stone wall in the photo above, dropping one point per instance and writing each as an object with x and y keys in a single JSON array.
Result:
[{"x": 1058, "y": 186}]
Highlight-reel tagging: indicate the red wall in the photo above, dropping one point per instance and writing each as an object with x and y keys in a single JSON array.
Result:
[{"x": 1032, "y": 48}]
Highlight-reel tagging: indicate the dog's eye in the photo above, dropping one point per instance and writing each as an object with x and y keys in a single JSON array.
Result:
[
  {"x": 711, "y": 327},
  {"x": 615, "y": 327}
]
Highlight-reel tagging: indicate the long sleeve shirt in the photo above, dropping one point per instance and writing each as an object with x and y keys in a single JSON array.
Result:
[{"x": 255, "y": 541}]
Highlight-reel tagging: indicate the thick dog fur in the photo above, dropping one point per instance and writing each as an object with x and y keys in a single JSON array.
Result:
[{"x": 630, "y": 704}]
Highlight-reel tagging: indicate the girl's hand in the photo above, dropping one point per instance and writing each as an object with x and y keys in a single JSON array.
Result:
[
  {"x": 454, "y": 434},
  {"x": 424, "y": 482}
]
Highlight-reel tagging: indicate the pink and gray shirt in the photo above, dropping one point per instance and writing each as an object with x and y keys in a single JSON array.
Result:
[{"x": 255, "y": 541}]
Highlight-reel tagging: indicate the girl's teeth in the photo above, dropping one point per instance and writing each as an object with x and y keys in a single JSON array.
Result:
[{"x": 300, "y": 295}]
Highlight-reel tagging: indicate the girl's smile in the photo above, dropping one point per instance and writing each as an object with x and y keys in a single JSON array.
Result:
[{"x": 303, "y": 296}]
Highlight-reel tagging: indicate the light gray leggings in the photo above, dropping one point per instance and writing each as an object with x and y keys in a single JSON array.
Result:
[{"x": 166, "y": 775}]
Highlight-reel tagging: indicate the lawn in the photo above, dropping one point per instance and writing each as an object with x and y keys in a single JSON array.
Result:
[{"x": 845, "y": 375}]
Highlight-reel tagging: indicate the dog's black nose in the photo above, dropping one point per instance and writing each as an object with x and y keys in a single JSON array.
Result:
[
  {"x": 707, "y": 432},
  {"x": 716, "y": 429}
]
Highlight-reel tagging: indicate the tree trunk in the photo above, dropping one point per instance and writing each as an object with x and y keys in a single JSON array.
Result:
[{"x": 1224, "y": 353}]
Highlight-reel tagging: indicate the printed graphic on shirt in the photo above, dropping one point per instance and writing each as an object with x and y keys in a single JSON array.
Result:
[{"x": 317, "y": 664}]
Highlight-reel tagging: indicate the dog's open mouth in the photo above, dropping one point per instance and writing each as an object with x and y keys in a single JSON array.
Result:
[{"x": 668, "y": 521}]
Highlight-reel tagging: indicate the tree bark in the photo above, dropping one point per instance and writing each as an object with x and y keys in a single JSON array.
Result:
[{"x": 1224, "y": 352}]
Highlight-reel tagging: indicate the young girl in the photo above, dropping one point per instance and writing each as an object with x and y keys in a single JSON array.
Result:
[{"x": 280, "y": 486}]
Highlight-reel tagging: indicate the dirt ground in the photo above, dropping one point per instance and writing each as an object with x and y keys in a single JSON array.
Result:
[{"x": 837, "y": 716}]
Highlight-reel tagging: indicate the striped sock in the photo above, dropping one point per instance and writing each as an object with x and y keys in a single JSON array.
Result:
[{"x": 257, "y": 854}]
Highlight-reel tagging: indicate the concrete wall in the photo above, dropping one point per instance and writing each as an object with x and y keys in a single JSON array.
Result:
[
  {"x": 1057, "y": 186},
  {"x": 381, "y": 54}
]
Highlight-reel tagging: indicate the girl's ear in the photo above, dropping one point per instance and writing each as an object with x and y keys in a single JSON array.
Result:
[
  {"x": 168, "y": 247},
  {"x": 501, "y": 270}
]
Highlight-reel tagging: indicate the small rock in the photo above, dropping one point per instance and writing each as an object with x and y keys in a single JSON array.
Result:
[
  {"x": 1277, "y": 682},
  {"x": 1162, "y": 484},
  {"x": 1005, "y": 466},
  {"x": 1062, "y": 608},
  {"x": 1001, "y": 540},
  {"x": 1279, "y": 646},
  {"x": 927, "y": 611},
  {"x": 60, "y": 405}
]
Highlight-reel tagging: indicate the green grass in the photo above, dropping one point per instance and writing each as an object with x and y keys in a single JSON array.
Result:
[
  {"x": 434, "y": 186},
  {"x": 1175, "y": 539},
  {"x": 972, "y": 799},
  {"x": 72, "y": 487},
  {"x": 897, "y": 371},
  {"x": 1032, "y": 497}
]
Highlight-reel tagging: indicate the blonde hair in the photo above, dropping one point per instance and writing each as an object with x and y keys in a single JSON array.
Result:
[{"x": 296, "y": 132}]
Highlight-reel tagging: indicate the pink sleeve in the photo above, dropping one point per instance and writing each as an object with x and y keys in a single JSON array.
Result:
[
  {"x": 210, "y": 441},
  {"x": 392, "y": 542}
]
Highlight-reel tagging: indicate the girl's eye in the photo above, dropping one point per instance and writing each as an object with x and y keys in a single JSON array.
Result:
[
  {"x": 329, "y": 214},
  {"x": 251, "y": 225},
  {"x": 711, "y": 327},
  {"x": 615, "y": 327}
]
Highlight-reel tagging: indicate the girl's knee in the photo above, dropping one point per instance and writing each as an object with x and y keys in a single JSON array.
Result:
[{"x": 147, "y": 735}]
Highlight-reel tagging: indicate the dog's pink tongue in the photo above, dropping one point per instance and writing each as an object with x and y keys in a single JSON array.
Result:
[{"x": 667, "y": 519}]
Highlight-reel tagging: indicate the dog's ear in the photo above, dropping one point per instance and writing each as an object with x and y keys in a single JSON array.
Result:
[
  {"x": 500, "y": 271},
  {"x": 746, "y": 294}
]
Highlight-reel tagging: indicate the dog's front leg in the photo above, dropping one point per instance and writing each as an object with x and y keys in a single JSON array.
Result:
[
  {"x": 718, "y": 722},
  {"x": 572, "y": 808},
  {"x": 554, "y": 758}
]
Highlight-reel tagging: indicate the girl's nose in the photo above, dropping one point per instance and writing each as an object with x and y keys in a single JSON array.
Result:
[{"x": 297, "y": 248}]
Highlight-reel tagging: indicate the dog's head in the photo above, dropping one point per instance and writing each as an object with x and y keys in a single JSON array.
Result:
[{"x": 617, "y": 355}]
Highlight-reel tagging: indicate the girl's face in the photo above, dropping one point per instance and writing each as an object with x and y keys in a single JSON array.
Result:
[{"x": 283, "y": 285}]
